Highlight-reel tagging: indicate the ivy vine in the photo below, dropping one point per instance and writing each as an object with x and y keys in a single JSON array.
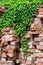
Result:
[{"x": 19, "y": 16}]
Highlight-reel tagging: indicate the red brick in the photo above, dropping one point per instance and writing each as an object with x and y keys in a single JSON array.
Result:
[
  {"x": 6, "y": 63},
  {"x": 23, "y": 61},
  {"x": 40, "y": 47},
  {"x": 40, "y": 59},
  {"x": 39, "y": 63},
  {"x": 40, "y": 10},
  {"x": 28, "y": 62},
  {"x": 35, "y": 50},
  {"x": 2, "y": 9},
  {"x": 40, "y": 16},
  {"x": 41, "y": 35},
  {"x": 40, "y": 55}
]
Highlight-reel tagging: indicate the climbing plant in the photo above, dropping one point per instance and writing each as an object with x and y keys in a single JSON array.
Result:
[{"x": 20, "y": 15}]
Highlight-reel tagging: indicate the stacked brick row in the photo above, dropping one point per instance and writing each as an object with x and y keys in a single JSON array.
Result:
[
  {"x": 39, "y": 45},
  {"x": 35, "y": 56},
  {"x": 36, "y": 49},
  {"x": 9, "y": 45}
]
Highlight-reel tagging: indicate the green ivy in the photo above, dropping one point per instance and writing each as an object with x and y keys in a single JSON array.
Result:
[{"x": 20, "y": 15}]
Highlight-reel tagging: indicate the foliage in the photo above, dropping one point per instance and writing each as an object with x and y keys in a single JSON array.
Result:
[{"x": 20, "y": 15}]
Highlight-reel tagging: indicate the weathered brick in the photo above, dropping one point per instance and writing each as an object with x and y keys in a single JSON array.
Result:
[
  {"x": 28, "y": 62},
  {"x": 31, "y": 47},
  {"x": 2, "y": 8},
  {"x": 34, "y": 32},
  {"x": 41, "y": 43},
  {"x": 23, "y": 61},
  {"x": 41, "y": 35},
  {"x": 31, "y": 58},
  {"x": 6, "y": 63},
  {"x": 40, "y": 55},
  {"x": 40, "y": 47},
  {"x": 40, "y": 59},
  {"x": 22, "y": 64},
  {"x": 35, "y": 50},
  {"x": 38, "y": 39},
  {"x": 40, "y": 10},
  {"x": 39, "y": 63}
]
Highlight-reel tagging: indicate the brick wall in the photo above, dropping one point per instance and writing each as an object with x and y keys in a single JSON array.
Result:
[{"x": 10, "y": 48}]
